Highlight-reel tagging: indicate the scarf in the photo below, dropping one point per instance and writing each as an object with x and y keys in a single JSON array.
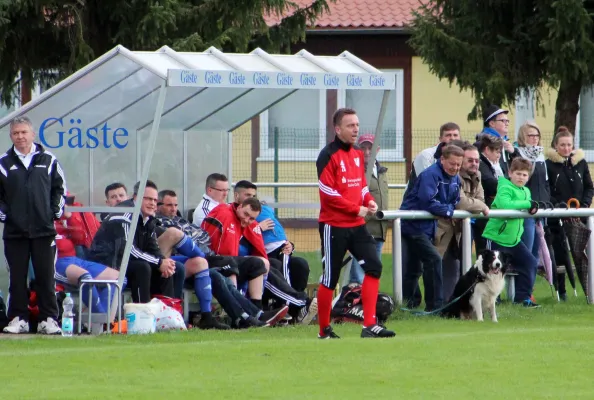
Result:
[{"x": 532, "y": 153}]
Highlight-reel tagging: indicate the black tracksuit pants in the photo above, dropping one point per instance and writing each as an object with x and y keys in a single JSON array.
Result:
[
  {"x": 297, "y": 269},
  {"x": 42, "y": 253},
  {"x": 145, "y": 280}
]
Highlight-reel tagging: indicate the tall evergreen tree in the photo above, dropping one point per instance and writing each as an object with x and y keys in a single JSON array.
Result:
[
  {"x": 45, "y": 40},
  {"x": 499, "y": 48}
]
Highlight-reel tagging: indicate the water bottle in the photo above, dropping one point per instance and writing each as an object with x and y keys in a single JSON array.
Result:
[{"x": 67, "y": 316}]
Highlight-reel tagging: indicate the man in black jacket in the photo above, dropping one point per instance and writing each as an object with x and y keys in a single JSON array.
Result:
[
  {"x": 31, "y": 198},
  {"x": 148, "y": 271}
]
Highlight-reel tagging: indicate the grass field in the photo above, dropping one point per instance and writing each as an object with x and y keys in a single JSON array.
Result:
[{"x": 530, "y": 354}]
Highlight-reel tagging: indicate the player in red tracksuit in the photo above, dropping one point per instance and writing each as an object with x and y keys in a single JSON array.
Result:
[
  {"x": 345, "y": 201},
  {"x": 226, "y": 224},
  {"x": 230, "y": 224}
]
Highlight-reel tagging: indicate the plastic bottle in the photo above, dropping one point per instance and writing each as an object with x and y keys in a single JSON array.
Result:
[{"x": 67, "y": 316}]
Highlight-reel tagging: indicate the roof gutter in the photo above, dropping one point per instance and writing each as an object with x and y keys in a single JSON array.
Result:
[{"x": 358, "y": 31}]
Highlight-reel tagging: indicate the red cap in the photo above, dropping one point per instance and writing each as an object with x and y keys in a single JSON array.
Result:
[{"x": 366, "y": 137}]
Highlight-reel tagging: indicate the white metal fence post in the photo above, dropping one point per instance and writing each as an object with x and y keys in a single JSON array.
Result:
[
  {"x": 397, "y": 261},
  {"x": 466, "y": 245},
  {"x": 591, "y": 261}
]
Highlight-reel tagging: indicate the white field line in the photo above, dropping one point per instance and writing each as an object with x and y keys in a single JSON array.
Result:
[{"x": 236, "y": 341}]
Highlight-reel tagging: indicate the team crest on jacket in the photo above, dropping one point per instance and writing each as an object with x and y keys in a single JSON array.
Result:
[{"x": 356, "y": 159}]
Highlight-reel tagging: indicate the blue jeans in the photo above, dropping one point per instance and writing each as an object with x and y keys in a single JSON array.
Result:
[
  {"x": 524, "y": 264},
  {"x": 179, "y": 276},
  {"x": 531, "y": 240},
  {"x": 529, "y": 237},
  {"x": 357, "y": 274}
]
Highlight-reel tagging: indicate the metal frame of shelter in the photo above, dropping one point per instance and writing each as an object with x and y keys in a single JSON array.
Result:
[{"x": 219, "y": 91}]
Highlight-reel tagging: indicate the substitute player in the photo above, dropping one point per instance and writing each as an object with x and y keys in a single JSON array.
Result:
[{"x": 345, "y": 201}]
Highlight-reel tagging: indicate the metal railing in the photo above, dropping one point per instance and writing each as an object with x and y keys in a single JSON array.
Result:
[
  {"x": 309, "y": 184},
  {"x": 398, "y": 216}
]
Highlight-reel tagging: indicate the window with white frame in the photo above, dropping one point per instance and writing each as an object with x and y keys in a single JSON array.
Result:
[
  {"x": 297, "y": 124},
  {"x": 367, "y": 103}
]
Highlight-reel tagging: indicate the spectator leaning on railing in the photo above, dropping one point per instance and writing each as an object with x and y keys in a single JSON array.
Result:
[
  {"x": 447, "y": 132},
  {"x": 472, "y": 199},
  {"x": 569, "y": 178},
  {"x": 505, "y": 234},
  {"x": 437, "y": 190}
]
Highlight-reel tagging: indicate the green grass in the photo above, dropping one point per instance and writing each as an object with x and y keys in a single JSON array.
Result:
[{"x": 530, "y": 354}]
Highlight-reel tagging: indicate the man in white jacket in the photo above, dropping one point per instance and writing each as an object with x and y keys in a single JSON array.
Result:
[{"x": 215, "y": 193}]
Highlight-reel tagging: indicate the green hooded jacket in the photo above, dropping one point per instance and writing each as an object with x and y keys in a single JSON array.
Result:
[{"x": 508, "y": 232}]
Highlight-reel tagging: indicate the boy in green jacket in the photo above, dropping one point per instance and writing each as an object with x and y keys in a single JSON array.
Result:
[{"x": 505, "y": 234}]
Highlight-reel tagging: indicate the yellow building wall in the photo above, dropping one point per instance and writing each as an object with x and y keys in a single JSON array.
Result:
[{"x": 435, "y": 102}]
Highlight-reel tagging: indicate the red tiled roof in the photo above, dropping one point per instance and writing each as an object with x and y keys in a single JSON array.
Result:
[{"x": 357, "y": 14}]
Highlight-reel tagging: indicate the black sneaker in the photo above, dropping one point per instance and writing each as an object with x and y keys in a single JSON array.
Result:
[
  {"x": 328, "y": 333},
  {"x": 377, "y": 331},
  {"x": 210, "y": 322},
  {"x": 250, "y": 322},
  {"x": 272, "y": 317},
  {"x": 530, "y": 304}
]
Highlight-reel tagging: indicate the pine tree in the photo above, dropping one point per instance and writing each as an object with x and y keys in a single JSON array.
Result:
[
  {"x": 45, "y": 40},
  {"x": 499, "y": 48}
]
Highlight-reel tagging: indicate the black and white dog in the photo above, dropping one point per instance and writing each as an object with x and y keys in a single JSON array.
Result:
[{"x": 479, "y": 288}]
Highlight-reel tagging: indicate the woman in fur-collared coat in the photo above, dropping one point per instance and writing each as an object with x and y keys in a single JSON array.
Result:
[{"x": 569, "y": 177}]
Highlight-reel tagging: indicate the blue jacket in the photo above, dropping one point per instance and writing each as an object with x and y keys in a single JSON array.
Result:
[
  {"x": 276, "y": 234},
  {"x": 434, "y": 191}
]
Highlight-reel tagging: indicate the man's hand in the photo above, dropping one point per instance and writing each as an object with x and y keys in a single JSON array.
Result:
[
  {"x": 287, "y": 248},
  {"x": 508, "y": 147},
  {"x": 167, "y": 267},
  {"x": 363, "y": 211},
  {"x": 267, "y": 224},
  {"x": 486, "y": 211},
  {"x": 372, "y": 207}
]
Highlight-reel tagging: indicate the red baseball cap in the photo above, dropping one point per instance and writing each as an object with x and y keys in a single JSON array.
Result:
[{"x": 366, "y": 137}]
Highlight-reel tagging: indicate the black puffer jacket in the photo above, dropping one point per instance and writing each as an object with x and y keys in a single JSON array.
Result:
[{"x": 569, "y": 177}]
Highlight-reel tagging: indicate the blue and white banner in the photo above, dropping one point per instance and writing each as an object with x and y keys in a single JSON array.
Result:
[{"x": 279, "y": 80}]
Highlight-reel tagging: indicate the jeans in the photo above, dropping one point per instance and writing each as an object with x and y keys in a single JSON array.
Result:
[
  {"x": 232, "y": 301},
  {"x": 529, "y": 237},
  {"x": 357, "y": 274},
  {"x": 524, "y": 264},
  {"x": 417, "y": 249},
  {"x": 179, "y": 276}
]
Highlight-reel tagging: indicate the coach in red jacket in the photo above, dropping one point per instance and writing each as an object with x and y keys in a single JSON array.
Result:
[{"x": 345, "y": 201}]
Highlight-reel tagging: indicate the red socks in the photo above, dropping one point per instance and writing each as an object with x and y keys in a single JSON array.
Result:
[
  {"x": 325, "y": 306},
  {"x": 369, "y": 292}
]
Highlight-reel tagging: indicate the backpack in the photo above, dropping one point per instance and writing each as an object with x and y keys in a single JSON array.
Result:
[{"x": 349, "y": 307}]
